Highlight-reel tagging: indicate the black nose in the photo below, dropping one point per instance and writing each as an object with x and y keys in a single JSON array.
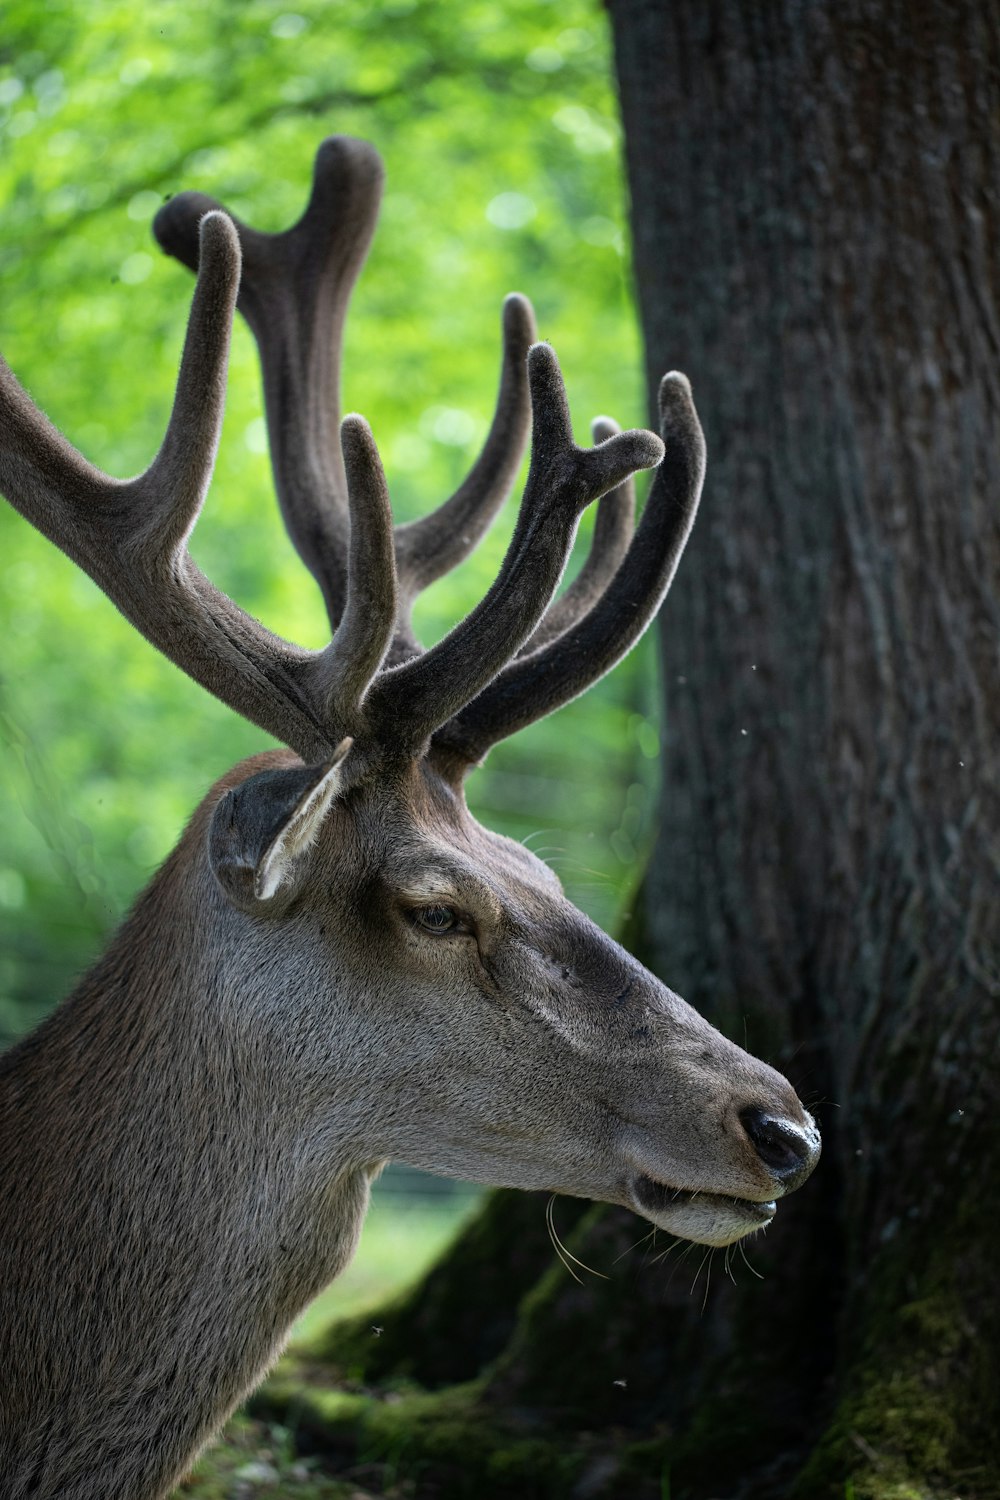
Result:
[{"x": 786, "y": 1149}]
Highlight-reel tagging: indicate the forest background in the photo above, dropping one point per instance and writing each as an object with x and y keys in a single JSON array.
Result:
[{"x": 814, "y": 211}]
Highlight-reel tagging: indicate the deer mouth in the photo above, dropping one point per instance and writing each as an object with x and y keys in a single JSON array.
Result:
[{"x": 706, "y": 1218}]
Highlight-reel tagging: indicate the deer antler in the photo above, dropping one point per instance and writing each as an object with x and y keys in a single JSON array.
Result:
[
  {"x": 562, "y": 481},
  {"x": 612, "y": 534},
  {"x": 471, "y": 688},
  {"x": 539, "y": 683},
  {"x": 131, "y": 535},
  {"x": 294, "y": 295}
]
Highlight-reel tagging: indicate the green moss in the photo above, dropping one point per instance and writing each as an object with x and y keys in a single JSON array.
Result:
[
  {"x": 453, "y": 1435},
  {"x": 858, "y": 1369},
  {"x": 918, "y": 1395},
  {"x": 907, "y": 1431},
  {"x": 921, "y": 1403}
]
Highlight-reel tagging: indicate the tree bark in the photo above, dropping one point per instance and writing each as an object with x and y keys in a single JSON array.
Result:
[
  {"x": 817, "y": 233},
  {"x": 815, "y": 219}
]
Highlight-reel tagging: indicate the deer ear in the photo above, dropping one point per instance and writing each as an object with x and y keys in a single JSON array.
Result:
[{"x": 261, "y": 829}]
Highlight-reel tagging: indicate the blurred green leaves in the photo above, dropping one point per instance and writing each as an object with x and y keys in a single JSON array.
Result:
[{"x": 500, "y": 135}]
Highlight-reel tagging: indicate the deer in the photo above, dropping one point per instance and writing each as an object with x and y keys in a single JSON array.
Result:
[{"x": 336, "y": 966}]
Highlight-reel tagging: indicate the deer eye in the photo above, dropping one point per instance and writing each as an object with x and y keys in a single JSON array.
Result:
[{"x": 437, "y": 919}]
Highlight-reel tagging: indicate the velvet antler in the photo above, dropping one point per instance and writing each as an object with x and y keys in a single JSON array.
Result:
[
  {"x": 294, "y": 295},
  {"x": 372, "y": 681},
  {"x": 131, "y": 535},
  {"x": 562, "y": 481},
  {"x": 542, "y": 681}
]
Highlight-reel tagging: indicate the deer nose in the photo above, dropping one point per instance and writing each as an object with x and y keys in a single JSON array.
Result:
[{"x": 787, "y": 1150}]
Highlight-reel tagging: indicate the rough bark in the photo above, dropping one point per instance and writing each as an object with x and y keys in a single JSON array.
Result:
[{"x": 815, "y": 211}]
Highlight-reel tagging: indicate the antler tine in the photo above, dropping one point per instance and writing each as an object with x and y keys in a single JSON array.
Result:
[
  {"x": 130, "y": 535},
  {"x": 294, "y": 295},
  {"x": 365, "y": 632},
  {"x": 612, "y": 534},
  {"x": 429, "y": 548},
  {"x": 535, "y": 685},
  {"x": 411, "y": 700},
  {"x": 76, "y": 505}
]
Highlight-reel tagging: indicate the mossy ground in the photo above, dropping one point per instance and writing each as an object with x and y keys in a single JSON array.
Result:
[
  {"x": 258, "y": 1459},
  {"x": 431, "y": 1444}
]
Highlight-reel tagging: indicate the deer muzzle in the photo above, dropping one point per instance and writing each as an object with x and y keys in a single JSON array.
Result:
[{"x": 784, "y": 1153}]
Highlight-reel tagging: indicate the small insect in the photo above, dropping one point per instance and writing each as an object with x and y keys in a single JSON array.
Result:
[{"x": 377, "y": 1330}]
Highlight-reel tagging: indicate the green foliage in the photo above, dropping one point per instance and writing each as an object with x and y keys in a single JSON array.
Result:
[{"x": 498, "y": 128}]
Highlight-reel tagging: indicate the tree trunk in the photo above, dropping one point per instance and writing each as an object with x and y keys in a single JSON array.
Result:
[
  {"x": 816, "y": 226},
  {"x": 815, "y": 220}
]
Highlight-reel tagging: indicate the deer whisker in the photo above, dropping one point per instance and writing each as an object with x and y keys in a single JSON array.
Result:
[{"x": 563, "y": 1253}]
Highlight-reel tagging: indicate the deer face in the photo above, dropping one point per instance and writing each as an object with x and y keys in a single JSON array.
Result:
[{"x": 500, "y": 1035}]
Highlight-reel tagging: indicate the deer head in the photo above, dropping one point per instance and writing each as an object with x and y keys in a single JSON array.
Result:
[
  {"x": 494, "y": 1032},
  {"x": 427, "y": 991}
]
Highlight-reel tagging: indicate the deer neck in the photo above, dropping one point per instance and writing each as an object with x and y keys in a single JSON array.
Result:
[{"x": 167, "y": 1208}]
